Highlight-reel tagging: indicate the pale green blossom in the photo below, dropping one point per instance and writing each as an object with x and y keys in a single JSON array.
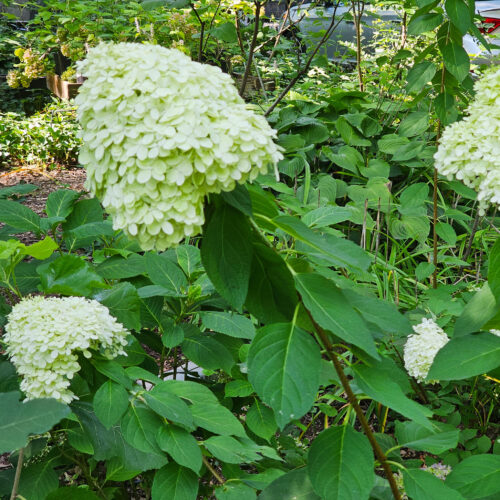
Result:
[
  {"x": 469, "y": 149},
  {"x": 161, "y": 132},
  {"x": 421, "y": 348},
  {"x": 45, "y": 335}
]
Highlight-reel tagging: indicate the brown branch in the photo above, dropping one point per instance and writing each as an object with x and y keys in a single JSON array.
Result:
[
  {"x": 212, "y": 470},
  {"x": 252, "y": 48},
  {"x": 17, "y": 477},
  {"x": 305, "y": 68},
  {"x": 359, "y": 412}
]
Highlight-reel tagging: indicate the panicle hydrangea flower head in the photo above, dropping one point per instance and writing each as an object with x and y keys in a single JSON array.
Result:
[
  {"x": 421, "y": 348},
  {"x": 469, "y": 149},
  {"x": 161, "y": 132},
  {"x": 495, "y": 332},
  {"x": 44, "y": 335}
]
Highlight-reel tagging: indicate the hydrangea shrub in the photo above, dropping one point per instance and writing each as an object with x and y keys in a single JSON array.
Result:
[
  {"x": 469, "y": 149},
  {"x": 45, "y": 335},
  {"x": 421, "y": 348},
  {"x": 161, "y": 132}
]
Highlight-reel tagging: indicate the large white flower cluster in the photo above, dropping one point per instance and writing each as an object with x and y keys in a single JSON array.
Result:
[
  {"x": 469, "y": 149},
  {"x": 44, "y": 335},
  {"x": 161, "y": 132},
  {"x": 421, "y": 348}
]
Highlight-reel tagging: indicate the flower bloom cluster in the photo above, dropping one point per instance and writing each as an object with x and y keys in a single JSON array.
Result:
[
  {"x": 495, "y": 332},
  {"x": 161, "y": 132},
  {"x": 44, "y": 335},
  {"x": 421, "y": 348},
  {"x": 439, "y": 470},
  {"x": 469, "y": 149}
]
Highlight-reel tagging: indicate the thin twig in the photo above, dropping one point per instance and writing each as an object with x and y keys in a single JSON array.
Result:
[
  {"x": 17, "y": 477},
  {"x": 212, "y": 470},
  {"x": 248, "y": 66},
  {"x": 359, "y": 412},
  {"x": 305, "y": 68}
]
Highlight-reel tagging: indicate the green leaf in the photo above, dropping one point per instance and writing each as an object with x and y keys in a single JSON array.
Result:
[
  {"x": 232, "y": 324},
  {"x": 332, "y": 311},
  {"x": 206, "y": 351},
  {"x": 38, "y": 480},
  {"x": 379, "y": 312},
  {"x": 238, "y": 198},
  {"x": 459, "y": 14},
  {"x": 260, "y": 420},
  {"x": 271, "y": 293},
  {"x": 326, "y": 216},
  {"x": 181, "y": 446},
  {"x": 60, "y": 203},
  {"x": 235, "y": 491},
  {"x": 294, "y": 485},
  {"x": 18, "y": 189},
  {"x": 217, "y": 419},
  {"x": 494, "y": 270},
  {"x": 110, "y": 403},
  {"x": 467, "y": 356},
  {"x": 169, "y": 406},
  {"x": 338, "y": 251},
  {"x": 456, "y": 60},
  {"x": 112, "y": 370},
  {"x": 123, "y": 303},
  {"x": 446, "y": 232},
  {"x": 477, "y": 476},
  {"x": 69, "y": 275},
  {"x": 18, "y": 216},
  {"x": 446, "y": 109},
  {"x": 117, "y": 267},
  {"x": 22, "y": 419},
  {"x": 349, "y": 135},
  {"x": 84, "y": 212},
  {"x": 419, "y": 75},
  {"x": 414, "y": 436},
  {"x": 284, "y": 368},
  {"x": 238, "y": 388},
  {"x": 415, "y": 123},
  {"x": 478, "y": 311},
  {"x": 331, "y": 462},
  {"x": 174, "y": 482},
  {"x": 139, "y": 427},
  {"x": 165, "y": 273},
  {"x": 421, "y": 23},
  {"x": 348, "y": 158},
  {"x": 375, "y": 384},
  {"x": 72, "y": 493},
  {"x": 226, "y": 253},
  {"x": 225, "y": 32},
  {"x": 422, "y": 485},
  {"x": 424, "y": 270}
]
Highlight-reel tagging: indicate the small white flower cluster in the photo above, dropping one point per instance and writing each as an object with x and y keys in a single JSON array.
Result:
[
  {"x": 469, "y": 149},
  {"x": 495, "y": 332},
  {"x": 43, "y": 336},
  {"x": 161, "y": 132},
  {"x": 438, "y": 469},
  {"x": 421, "y": 348}
]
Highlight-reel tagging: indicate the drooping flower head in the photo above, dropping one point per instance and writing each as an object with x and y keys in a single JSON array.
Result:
[
  {"x": 44, "y": 335},
  {"x": 421, "y": 348},
  {"x": 469, "y": 149},
  {"x": 160, "y": 132}
]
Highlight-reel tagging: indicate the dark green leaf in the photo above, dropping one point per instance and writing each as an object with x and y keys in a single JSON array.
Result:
[
  {"x": 284, "y": 368},
  {"x": 494, "y": 270},
  {"x": 234, "y": 325},
  {"x": 60, "y": 203},
  {"x": 226, "y": 253},
  {"x": 38, "y": 480},
  {"x": 169, "y": 406},
  {"x": 181, "y": 446},
  {"x": 422, "y": 485},
  {"x": 22, "y": 419},
  {"x": 117, "y": 267},
  {"x": 139, "y": 427},
  {"x": 174, "y": 482},
  {"x": 414, "y": 436},
  {"x": 69, "y": 275},
  {"x": 260, "y": 420},
  {"x": 330, "y": 464},
  {"x": 422, "y": 23},
  {"x": 332, "y": 311},
  {"x": 467, "y": 356},
  {"x": 123, "y": 303},
  {"x": 165, "y": 273},
  {"x": 419, "y": 75},
  {"x": 18, "y": 216},
  {"x": 110, "y": 403},
  {"x": 459, "y": 14},
  {"x": 294, "y": 485},
  {"x": 456, "y": 60}
]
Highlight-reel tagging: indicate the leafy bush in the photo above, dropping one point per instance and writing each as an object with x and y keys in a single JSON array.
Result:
[{"x": 46, "y": 137}]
